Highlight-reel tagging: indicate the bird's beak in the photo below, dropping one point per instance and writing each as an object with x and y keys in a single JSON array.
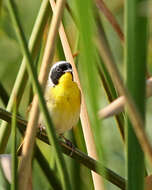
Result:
[{"x": 68, "y": 71}]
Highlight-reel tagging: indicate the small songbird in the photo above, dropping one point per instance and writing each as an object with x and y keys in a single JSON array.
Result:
[{"x": 63, "y": 97}]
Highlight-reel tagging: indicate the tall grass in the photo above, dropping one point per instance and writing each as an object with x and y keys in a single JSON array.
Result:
[
  {"x": 90, "y": 37},
  {"x": 135, "y": 58}
]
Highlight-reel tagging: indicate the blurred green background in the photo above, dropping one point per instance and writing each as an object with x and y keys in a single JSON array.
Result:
[{"x": 10, "y": 60}]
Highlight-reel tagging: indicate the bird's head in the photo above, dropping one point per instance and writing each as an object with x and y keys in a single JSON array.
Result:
[{"x": 59, "y": 69}]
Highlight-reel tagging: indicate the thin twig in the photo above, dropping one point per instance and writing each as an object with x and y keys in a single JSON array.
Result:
[
  {"x": 113, "y": 108},
  {"x": 133, "y": 113},
  {"x": 88, "y": 135},
  {"x": 117, "y": 105},
  {"x": 48, "y": 172},
  {"x": 81, "y": 157},
  {"x": 110, "y": 17}
]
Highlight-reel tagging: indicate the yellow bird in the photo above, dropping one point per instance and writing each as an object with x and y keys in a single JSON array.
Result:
[{"x": 63, "y": 97}]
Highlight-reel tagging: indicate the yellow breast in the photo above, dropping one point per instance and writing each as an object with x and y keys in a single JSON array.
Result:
[{"x": 63, "y": 101}]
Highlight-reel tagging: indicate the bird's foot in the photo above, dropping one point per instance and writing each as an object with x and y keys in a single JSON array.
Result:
[
  {"x": 69, "y": 143},
  {"x": 41, "y": 129}
]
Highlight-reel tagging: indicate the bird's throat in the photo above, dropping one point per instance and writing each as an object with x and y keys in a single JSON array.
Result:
[{"x": 66, "y": 78}]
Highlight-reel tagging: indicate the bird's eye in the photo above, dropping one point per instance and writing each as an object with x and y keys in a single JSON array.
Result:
[{"x": 58, "y": 69}]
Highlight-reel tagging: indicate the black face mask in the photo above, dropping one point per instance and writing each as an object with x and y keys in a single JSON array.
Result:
[{"x": 58, "y": 70}]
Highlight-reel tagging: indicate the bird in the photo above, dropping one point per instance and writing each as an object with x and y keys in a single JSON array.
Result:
[{"x": 63, "y": 98}]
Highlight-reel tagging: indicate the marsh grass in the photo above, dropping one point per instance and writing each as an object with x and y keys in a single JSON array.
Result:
[{"x": 90, "y": 37}]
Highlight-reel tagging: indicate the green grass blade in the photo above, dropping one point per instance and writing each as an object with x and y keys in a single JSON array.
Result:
[
  {"x": 135, "y": 58},
  {"x": 87, "y": 64},
  {"x": 49, "y": 173},
  {"x": 86, "y": 61},
  {"x": 111, "y": 94},
  {"x": 14, "y": 155},
  {"x": 21, "y": 79},
  {"x": 3, "y": 94},
  {"x": 107, "y": 80},
  {"x": 37, "y": 88},
  {"x": 60, "y": 50}
]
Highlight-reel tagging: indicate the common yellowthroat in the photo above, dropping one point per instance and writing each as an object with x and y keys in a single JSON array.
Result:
[{"x": 63, "y": 97}]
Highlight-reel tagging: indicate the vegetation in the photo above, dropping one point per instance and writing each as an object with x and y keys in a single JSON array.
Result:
[{"x": 108, "y": 45}]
